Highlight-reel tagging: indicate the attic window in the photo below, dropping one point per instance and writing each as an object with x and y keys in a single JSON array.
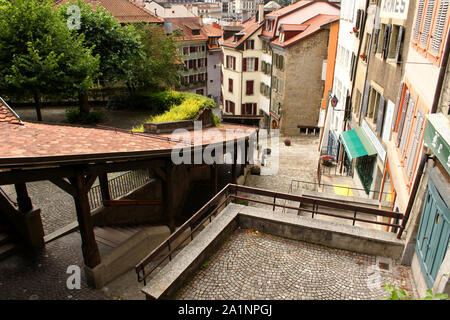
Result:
[
  {"x": 282, "y": 37},
  {"x": 195, "y": 32}
]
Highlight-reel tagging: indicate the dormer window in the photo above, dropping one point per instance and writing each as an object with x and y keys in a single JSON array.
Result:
[
  {"x": 282, "y": 37},
  {"x": 250, "y": 45}
]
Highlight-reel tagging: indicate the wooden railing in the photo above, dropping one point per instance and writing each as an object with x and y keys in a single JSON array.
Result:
[{"x": 166, "y": 249}]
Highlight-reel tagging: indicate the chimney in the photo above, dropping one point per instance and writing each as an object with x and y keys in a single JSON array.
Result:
[{"x": 260, "y": 16}]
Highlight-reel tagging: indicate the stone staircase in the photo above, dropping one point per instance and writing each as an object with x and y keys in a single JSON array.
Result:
[{"x": 7, "y": 244}]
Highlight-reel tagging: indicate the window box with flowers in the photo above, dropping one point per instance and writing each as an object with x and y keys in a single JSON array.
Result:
[
  {"x": 363, "y": 57},
  {"x": 355, "y": 31},
  {"x": 327, "y": 160}
]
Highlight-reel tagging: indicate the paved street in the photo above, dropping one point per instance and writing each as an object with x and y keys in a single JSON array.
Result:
[{"x": 253, "y": 265}]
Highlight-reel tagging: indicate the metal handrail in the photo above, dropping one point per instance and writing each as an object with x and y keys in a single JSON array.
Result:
[
  {"x": 231, "y": 192},
  {"x": 331, "y": 185}
]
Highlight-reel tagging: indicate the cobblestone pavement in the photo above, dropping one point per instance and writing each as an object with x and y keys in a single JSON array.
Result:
[
  {"x": 253, "y": 265},
  {"x": 43, "y": 275},
  {"x": 298, "y": 161}
]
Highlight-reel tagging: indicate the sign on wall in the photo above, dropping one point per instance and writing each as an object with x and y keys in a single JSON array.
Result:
[
  {"x": 396, "y": 9},
  {"x": 374, "y": 140},
  {"x": 437, "y": 138}
]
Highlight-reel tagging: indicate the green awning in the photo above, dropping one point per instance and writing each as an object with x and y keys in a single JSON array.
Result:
[{"x": 356, "y": 143}]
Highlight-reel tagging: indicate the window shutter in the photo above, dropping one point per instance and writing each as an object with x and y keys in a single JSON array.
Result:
[
  {"x": 230, "y": 85},
  {"x": 281, "y": 62},
  {"x": 365, "y": 99},
  {"x": 244, "y": 64},
  {"x": 381, "y": 107},
  {"x": 358, "y": 17},
  {"x": 397, "y": 106},
  {"x": 427, "y": 23},
  {"x": 352, "y": 66},
  {"x": 254, "y": 108},
  {"x": 418, "y": 22},
  {"x": 412, "y": 154},
  {"x": 243, "y": 109},
  {"x": 399, "y": 47},
  {"x": 234, "y": 62},
  {"x": 387, "y": 38},
  {"x": 348, "y": 108},
  {"x": 407, "y": 124},
  {"x": 256, "y": 64},
  {"x": 402, "y": 117},
  {"x": 228, "y": 61},
  {"x": 232, "y": 107},
  {"x": 439, "y": 27},
  {"x": 375, "y": 42}
]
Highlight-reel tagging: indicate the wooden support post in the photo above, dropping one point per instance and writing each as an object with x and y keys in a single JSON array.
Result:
[
  {"x": 167, "y": 192},
  {"x": 104, "y": 186},
  {"x": 213, "y": 178},
  {"x": 23, "y": 199},
  {"x": 89, "y": 247},
  {"x": 246, "y": 152},
  {"x": 234, "y": 164}
]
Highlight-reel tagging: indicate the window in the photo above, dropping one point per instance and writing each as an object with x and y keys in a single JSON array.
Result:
[
  {"x": 229, "y": 106},
  {"x": 265, "y": 67},
  {"x": 277, "y": 84},
  {"x": 250, "y": 64},
  {"x": 279, "y": 61},
  {"x": 230, "y": 85},
  {"x": 430, "y": 27},
  {"x": 374, "y": 100},
  {"x": 250, "y": 45},
  {"x": 248, "y": 109},
  {"x": 185, "y": 50},
  {"x": 389, "y": 42},
  {"x": 357, "y": 102},
  {"x": 231, "y": 62},
  {"x": 249, "y": 87}
]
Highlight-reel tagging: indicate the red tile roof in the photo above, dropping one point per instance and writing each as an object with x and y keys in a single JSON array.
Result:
[
  {"x": 187, "y": 24},
  {"x": 310, "y": 27},
  {"x": 7, "y": 115},
  {"x": 37, "y": 143},
  {"x": 124, "y": 10}
]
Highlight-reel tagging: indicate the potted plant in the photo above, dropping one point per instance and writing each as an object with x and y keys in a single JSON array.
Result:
[
  {"x": 327, "y": 160},
  {"x": 355, "y": 31},
  {"x": 287, "y": 142},
  {"x": 255, "y": 170}
]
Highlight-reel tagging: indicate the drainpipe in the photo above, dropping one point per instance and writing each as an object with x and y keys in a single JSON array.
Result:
[{"x": 437, "y": 95}]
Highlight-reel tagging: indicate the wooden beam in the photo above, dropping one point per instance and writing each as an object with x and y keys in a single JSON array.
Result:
[
  {"x": 160, "y": 173},
  {"x": 64, "y": 185},
  {"x": 234, "y": 164},
  {"x": 31, "y": 175},
  {"x": 104, "y": 187},
  {"x": 89, "y": 181},
  {"x": 91, "y": 254},
  {"x": 213, "y": 178},
  {"x": 167, "y": 191}
]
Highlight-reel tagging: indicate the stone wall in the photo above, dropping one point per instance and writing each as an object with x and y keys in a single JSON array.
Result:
[{"x": 303, "y": 87}]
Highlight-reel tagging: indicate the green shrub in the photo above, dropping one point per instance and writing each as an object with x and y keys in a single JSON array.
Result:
[
  {"x": 179, "y": 106},
  {"x": 93, "y": 117}
]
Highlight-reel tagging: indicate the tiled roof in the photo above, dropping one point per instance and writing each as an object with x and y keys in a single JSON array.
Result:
[
  {"x": 310, "y": 27},
  {"x": 212, "y": 31},
  {"x": 288, "y": 9},
  {"x": 124, "y": 10},
  {"x": 250, "y": 27},
  {"x": 34, "y": 143},
  {"x": 187, "y": 24},
  {"x": 6, "y": 115}
]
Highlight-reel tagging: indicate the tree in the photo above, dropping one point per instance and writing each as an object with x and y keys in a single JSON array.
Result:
[
  {"x": 115, "y": 44},
  {"x": 38, "y": 54},
  {"x": 157, "y": 67}
]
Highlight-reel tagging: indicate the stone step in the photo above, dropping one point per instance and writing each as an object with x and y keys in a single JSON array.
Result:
[{"x": 7, "y": 250}]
